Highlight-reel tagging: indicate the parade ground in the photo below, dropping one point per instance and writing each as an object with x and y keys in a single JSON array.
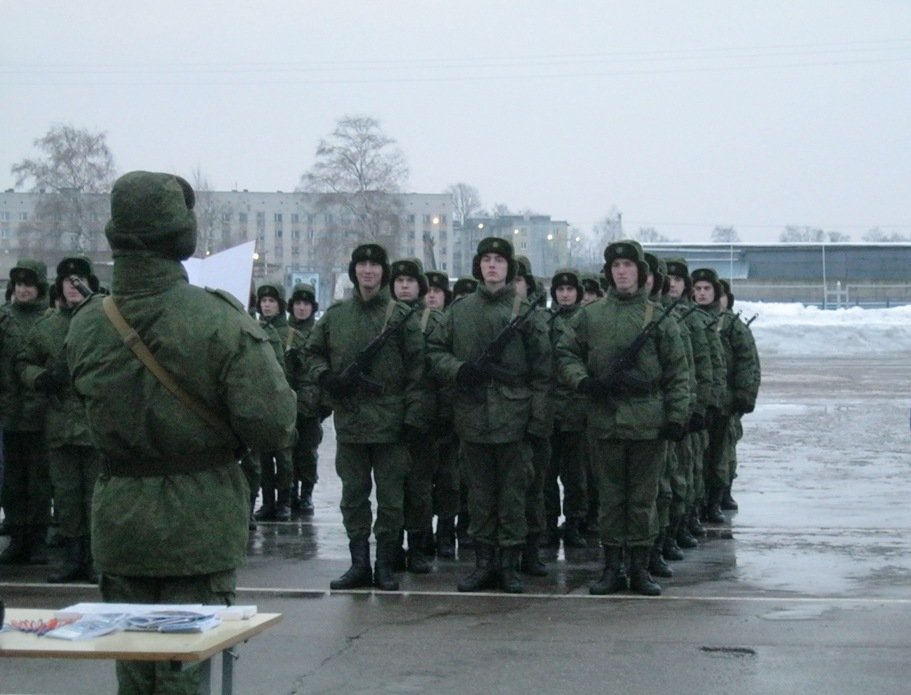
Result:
[{"x": 807, "y": 590}]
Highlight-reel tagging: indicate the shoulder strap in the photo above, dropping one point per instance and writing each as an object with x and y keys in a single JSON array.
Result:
[
  {"x": 516, "y": 305},
  {"x": 649, "y": 313},
  {"x": 132, "y": 340},
  {"x": 390, "y": 307},
  {"x": 425, "y": 317}
]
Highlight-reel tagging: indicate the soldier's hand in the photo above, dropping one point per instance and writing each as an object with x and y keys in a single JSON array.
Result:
[
  {"x": 593, "y": 388},
  {"x": 335, "y": 386},
  {"x": 51, "y": 381},
  {"x": 742, "y": 405},
  {"x": 470, "y": 375},
  {"x": 672, "y": 432}
]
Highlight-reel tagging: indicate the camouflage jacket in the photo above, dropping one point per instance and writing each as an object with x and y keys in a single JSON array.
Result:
[{"x": 22, "y": 407}]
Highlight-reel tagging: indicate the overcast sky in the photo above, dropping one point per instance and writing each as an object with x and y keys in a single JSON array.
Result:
[{"x": 683, "y": 115}]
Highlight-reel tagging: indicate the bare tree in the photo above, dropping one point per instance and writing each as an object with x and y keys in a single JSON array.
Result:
[
  {"x": 725, "y": 235},
  {"x": 795, "y": 233},
  {"x": 610, "y": 228},
  {"x": 839, "y": 237},
  {"x": 357, "y": 174},
  {"x": 73, "y": 174},
  {"x": 877, "y": 235},
  {"x": 465, "y": 201},
  {"x": 210, "y": 216},
  {"x": 650, "y": 235}
]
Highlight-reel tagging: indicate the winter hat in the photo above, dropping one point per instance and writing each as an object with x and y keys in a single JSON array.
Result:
[
  {"x": 412, "y": 268},
  {"x": 496, "y": 245},
  {"x": 566, "y": 276},
  {"x": 152, "y": 212},
  {"x": 464, "y": 286},
  {"x": 440, "y": 280},
  {"x": 630, "y": 250},
  {"x": 369, "y": 252},
  {"x": 679, "y": 268},
  {"x": 304, "y": 291},
  {"x": 79, "y": 266},
  {"x": 274, "y": 290},
  {"x": 30, "y": 272},
  {"x": 708, "y": 275}
]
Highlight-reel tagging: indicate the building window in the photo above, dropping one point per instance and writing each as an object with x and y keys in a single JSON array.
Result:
[
  {"x": 278, "y": 233},
  {"x": 226, "y": 217},
  {"x": 411, "y": 219},
  {"x": 242, "y": 218},
  {"x": 295, "y": 218},
  {"x": 442, "y": 235},
  {"x": 277, "y": 218},
  {"x": 443, "y": 265},
  {"x": 442, "y": 219},
  {"x": 260, "y": 220},
  {"x": 23, "y": 216},
  {"x": 411, "y": 235},
  {"x": 4, "y": 216}
]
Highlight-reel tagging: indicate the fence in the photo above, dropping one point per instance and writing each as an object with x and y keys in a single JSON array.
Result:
[{"x": 830, "y": 296}]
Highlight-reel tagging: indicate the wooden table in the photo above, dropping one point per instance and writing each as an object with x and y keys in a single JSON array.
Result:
[{"x": 178, "y": 649}]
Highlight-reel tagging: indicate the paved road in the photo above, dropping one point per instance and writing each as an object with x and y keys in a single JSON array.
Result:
[{"x": 809, "y": 590}]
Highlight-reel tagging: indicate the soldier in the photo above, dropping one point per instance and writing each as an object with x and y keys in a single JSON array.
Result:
[
  {"x": 277, "y": 468},
  {"x": 464, "y": 286},
  {"x": 568, "y": 457},
  {"x": 310, "y": 412},
  {"x": 73, "y": 460},
  {"x": 632, "y": 417},
  {"x": 169, "y": 512},
  {"x": 27, "y": 485},
  {"x": 495, "y": 410},
  {"x": 591, "y": 288},
  {"x": 373, "y": 424}
]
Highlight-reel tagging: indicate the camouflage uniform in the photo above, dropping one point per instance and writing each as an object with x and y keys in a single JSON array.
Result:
[{"x": 169, "y": 512}]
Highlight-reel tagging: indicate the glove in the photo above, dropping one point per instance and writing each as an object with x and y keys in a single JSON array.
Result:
[
  {"x": 323, "y": 412},
  {"x": 411, "y": 434},
  {"x": 335, "y": 386},
  {"x": 742, "y": 405},
  {"x": 673, "y": 432},
  {"x": 52, "y": 381},
  {"x": 593, "y": 388},
  {"x": 470, "y": 376},
  {"x": 696, "y": 423}
]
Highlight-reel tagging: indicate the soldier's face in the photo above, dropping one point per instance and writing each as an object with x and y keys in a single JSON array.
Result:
[
  {"x": 521, "y": 287},
  {"x": 406, "y": 288},
  {"x": 625, "y": 274},
  {"x": 649, "y": 283},
  {"x": 566, "y": 295},
  {"x": 369, "y": 275},
  {"x": 24, "y": 292},
  {"x": 723, "y": 302},
  {"x": 589, "y": 297},
  {"x": 302, "y": 309},
  {"x": 677, "y": 286},
  {"x": 435, "y": 298},
  {"x": 71, "y": 295},
  {"x": 494, "y": 268},
  {"x": 268, "y": 306},
  {"x": 703, "y": 292}
]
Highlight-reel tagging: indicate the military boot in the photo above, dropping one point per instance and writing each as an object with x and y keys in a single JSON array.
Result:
[
  {"x": 295, "y": 499},
  {"x": 669, "y": 549},
  {"x": 572, "y": 538},
  {"x": 465, "y": 541},
  {"x": 685, "y": 538},
  {"x": 695, "y": 525},
  {"x": 510, "y": 582},
  {"x": 484, "y": 575},
  {"x": 73, "y": 567},
  {"x": 613, "y": 578},
  {"x": 37, "y": 541},
  {"x": 306, "y": 500},
  {"x": 446, "y": 538},
  {"x": 656, "y": 562},
  {"x": 383, "y": 575},
  {"x": 283, "y": 507},
  {"x": 251, "y": 524},
  {"x": 531, "y": 558},
  {"x": 713, "y": 513},
  {"x": 358, "y": 575},
  {"x": 639, "y": 579},
  {"x": 267, "y": 510},
  {"x": 17, "y": 552},
  {"x": 418, "y": 562},
  {"x": 727, "y": 502}
]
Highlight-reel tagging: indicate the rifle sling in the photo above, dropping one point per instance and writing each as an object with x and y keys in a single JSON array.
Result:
[{"x": 132, "y": 340}]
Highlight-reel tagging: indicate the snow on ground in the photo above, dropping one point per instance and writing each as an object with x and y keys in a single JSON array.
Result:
[{"x": 801, "y": 331}]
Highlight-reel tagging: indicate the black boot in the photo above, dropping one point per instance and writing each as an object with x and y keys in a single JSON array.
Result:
[
  {"x": 669, "y": 549},
  {"x": 639, "y": 579},
  {"x": 551, "y": 536},
  {"x": 484, "y": 575},
  {"x": 73, "y": 567},
  {"x": 656, "y": 563},
  {"x": 283, "y": 508},
  {"x": 418, "y": 562},
  {"x": 571, "y": 536},
  {"x": 358, "y": 575},
  {"x": 267, "y": 510},
  {"x": 429, "y": 546},
  {"x": 727, "y": 502},
  {"x": 713, "y": 513},
  {"x": 613, "y": 578},
  {"x": 446, "y": 538},
  {"x": 531, "y": 558},
  {"x": 251, "y": 524},
  {"x": 295, "y": 499},
  {"x": 383, "y": 575},
  {"x": 510, "y": 582},
  {"x": 695, "y": 525},
  {"x": 685, "y": 538},
  {"x": 37, "y": 541},
  {"x": 306, "y": 500},
  {"x": 16, "y": 553},
  {"x": 465, "y": 541}
]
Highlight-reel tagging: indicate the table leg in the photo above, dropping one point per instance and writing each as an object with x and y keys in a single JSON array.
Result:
[
  {"x": 227, "y": 671},
  {"x": 205, "y": 677}
]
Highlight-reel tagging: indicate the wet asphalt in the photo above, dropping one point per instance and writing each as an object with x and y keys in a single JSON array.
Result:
[{"x": 808, "y": 589}]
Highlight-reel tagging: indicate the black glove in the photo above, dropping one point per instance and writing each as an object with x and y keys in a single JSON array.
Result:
[
  {"x": 323, "y": 411},
  {"x": 470, "y": 376},
  {"x": 335, "y": 386},
  {"x": 673, "y": 432},
  {"x": 411, "y": 434},
  {"x": 742, "y": 405},
  {"x": 52, "y": 380},
  {"x": 696, "y": 423},
  {"x": 593, "y": 388}
]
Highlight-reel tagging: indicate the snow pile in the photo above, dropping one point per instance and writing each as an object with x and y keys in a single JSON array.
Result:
[{"x": 798, "y": 330}]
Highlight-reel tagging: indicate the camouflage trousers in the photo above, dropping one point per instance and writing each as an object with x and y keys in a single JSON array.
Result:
[
  {"x": 74, "y": 470},
  {"x": 446, "y": 478},
  {"x": 358, "y": 466},
  {"x": 304, "y": 455},
  {"x": 498, "y": 476},
  {"x": 534, "y": 497},
  {"x": 153, "y": 678},
  {"x": 568, "y": 462}
]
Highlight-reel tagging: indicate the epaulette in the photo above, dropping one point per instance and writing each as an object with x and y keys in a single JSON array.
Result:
[{"x": 228, "y": 297}]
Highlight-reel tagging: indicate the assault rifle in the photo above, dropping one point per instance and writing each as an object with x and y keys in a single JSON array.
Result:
[
  {"x": 356, "y": 372},
  {"x": 78, "y": 283},
  {"x": 622, "y": 375},
  {"x": 755, "y": 316},
  {"x": 489, "y": 361}
]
